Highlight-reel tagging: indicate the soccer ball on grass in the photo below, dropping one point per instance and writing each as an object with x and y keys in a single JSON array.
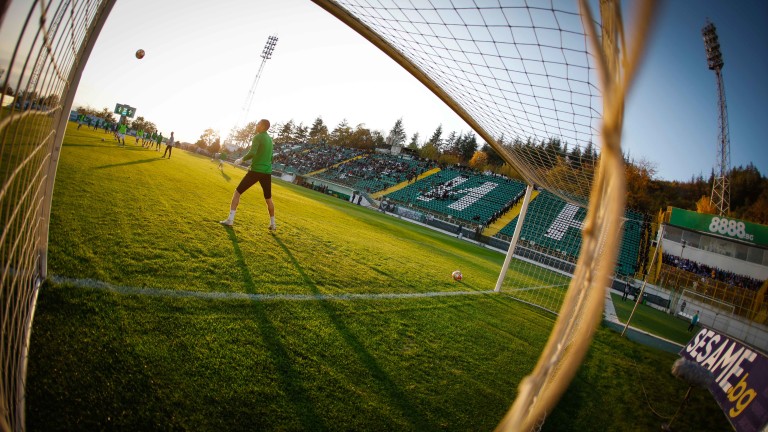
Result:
[{"x": 457, "y": 276}]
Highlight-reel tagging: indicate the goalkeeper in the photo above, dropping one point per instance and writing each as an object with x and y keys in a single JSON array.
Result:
[{"x": 261, "y": 172}]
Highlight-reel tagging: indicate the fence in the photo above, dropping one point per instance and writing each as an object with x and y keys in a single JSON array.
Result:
[{"x": 676, "y": 279}]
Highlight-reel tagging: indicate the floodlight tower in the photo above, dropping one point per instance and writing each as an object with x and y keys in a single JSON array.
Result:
[
  {"x": 721, "y": 194},
  {"x": 266, "y": 54}
]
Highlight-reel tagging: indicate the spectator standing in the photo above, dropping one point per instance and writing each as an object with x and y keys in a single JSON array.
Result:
[
  {"x": 168, "y": 147},
  {"x": 694, "y": 321}
]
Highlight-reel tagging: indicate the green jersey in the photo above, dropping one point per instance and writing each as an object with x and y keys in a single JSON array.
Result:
[
  {"x": 123, "y": 128},
  {"x": 261, "y": 153}
]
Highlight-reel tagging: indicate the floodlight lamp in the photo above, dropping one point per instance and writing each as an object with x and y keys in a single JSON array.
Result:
[
  {"x": 269, "y": 47},
  {"x": 712, "y": 47}
]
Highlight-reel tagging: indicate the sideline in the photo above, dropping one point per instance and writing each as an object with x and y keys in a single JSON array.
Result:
[
  {"x": 158, "y": 292},
  {"x": 609, "y": 315},
  {"x": 635, "y": 334}
]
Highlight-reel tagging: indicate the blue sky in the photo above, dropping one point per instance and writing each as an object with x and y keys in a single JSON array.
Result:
[
  {"x": 202, "y": 57},
  {"x": 672, "y": 112}
]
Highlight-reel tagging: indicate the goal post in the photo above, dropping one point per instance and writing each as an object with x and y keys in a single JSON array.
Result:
[
  {"x": 515, "y": 237},
  {"x": 704, "y": 303}
]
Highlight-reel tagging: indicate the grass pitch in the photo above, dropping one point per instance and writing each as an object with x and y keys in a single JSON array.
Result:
[{"x": 109, "y": 359}]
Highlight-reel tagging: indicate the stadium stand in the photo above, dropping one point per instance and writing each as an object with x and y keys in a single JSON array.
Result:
[
  {"x": 558, "y": 224},
  {"x": 306, "y": 158},
  {"x": 464, "y": 194},
  {"x": 375, "y": 172}
]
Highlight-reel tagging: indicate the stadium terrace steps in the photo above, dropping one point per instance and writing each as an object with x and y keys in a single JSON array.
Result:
[
  {"x": 334, "y": 165},
  {"x": 401, "y": 185},
  {"x": 553, "y": 224},
  {"x": 466, "y": 196},
  {"x": 507, "y": 217}
]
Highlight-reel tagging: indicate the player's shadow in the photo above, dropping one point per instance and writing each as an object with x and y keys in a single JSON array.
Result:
[
  {"x": 83, "y": 145},
  {"x": 289, "y": 376},
  {"x": 140, "y": 161},
  {"x": 223, "y": 174},
  {"x": 395, "y": 393}
]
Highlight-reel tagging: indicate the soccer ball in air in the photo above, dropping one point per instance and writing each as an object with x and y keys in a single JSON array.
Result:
[
  {"x": 140, "y": 54},
  {"x": 457, "y": 276}
]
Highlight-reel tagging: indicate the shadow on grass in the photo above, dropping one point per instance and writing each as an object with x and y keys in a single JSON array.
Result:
[
  {"x": 83, "y": 145},
  {"x": 396, "y": 395},
  {"x": 223, "y": 174},
  {"x": 289, "y": 376},
  {"x": 128, "y": 163}
]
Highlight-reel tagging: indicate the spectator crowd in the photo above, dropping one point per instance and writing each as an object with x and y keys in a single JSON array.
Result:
[
  {"x": 374, "y": 172},
  {"x": 704, "y": 270},
  {"x": 305, "y": 160}
]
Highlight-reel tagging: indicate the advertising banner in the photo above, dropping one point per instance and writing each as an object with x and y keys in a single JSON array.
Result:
[
  {"x": 721, "y": 226},
  {"x": 740, "y": 384}
]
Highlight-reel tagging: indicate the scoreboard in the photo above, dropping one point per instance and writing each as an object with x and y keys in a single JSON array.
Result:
[{"x": 125, "y": 110}]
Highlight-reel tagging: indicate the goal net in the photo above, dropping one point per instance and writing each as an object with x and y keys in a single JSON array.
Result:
[
  {"x": 543, "y": 83},
  {"x": 45, "y": 47},
  {"x": 692, "y": 301}
]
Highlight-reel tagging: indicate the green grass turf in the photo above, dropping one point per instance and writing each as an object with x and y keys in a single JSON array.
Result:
[
  {"x": 653, "y": 321},
  {"x": 104, "y": 360}
]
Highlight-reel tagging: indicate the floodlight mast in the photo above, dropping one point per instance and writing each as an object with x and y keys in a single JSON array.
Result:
[
  {"x": 721, "y": 193},
  {"x": 266, "y": 54}
]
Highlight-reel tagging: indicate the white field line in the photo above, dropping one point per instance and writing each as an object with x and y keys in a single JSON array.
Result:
[
  {"x": 535, "y": 288},
  {"x": 157, "y": 292}
]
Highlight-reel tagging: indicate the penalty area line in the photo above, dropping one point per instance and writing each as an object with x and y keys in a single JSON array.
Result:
[{"x": 158, "y": 292}]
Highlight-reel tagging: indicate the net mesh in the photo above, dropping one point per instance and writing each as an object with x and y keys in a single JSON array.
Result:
[
  {"x": 522, "y": 73},
  {"x": 540, "y": 81},
  {"x": 41, "y": 55}
]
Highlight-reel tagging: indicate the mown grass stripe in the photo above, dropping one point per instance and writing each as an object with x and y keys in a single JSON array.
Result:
[{"x": 159, "y": 292}]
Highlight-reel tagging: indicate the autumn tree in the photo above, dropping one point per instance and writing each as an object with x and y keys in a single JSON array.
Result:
[
  {"x": 216, "y": 146},
  {"x": 242, "y": 137},
  {"x": 341, "y": 135},
  {"x": 140, "y": 124},
  {"x": 758, "y": 211},
  {"x": 207, "y": 138},
  {"x": 378, "y": 139},
  {"x": 107, "y": 115},
  {"x": 705, "y": 205},
  {"x": 429, "y": 151},
  {"x": 639, "y": 177},
  {"x": 479, "y": 160},
  {"x": 361, "y": 138}
]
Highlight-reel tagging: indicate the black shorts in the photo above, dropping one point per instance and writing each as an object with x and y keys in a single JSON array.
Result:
[{"x": 265, "y": 180}]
